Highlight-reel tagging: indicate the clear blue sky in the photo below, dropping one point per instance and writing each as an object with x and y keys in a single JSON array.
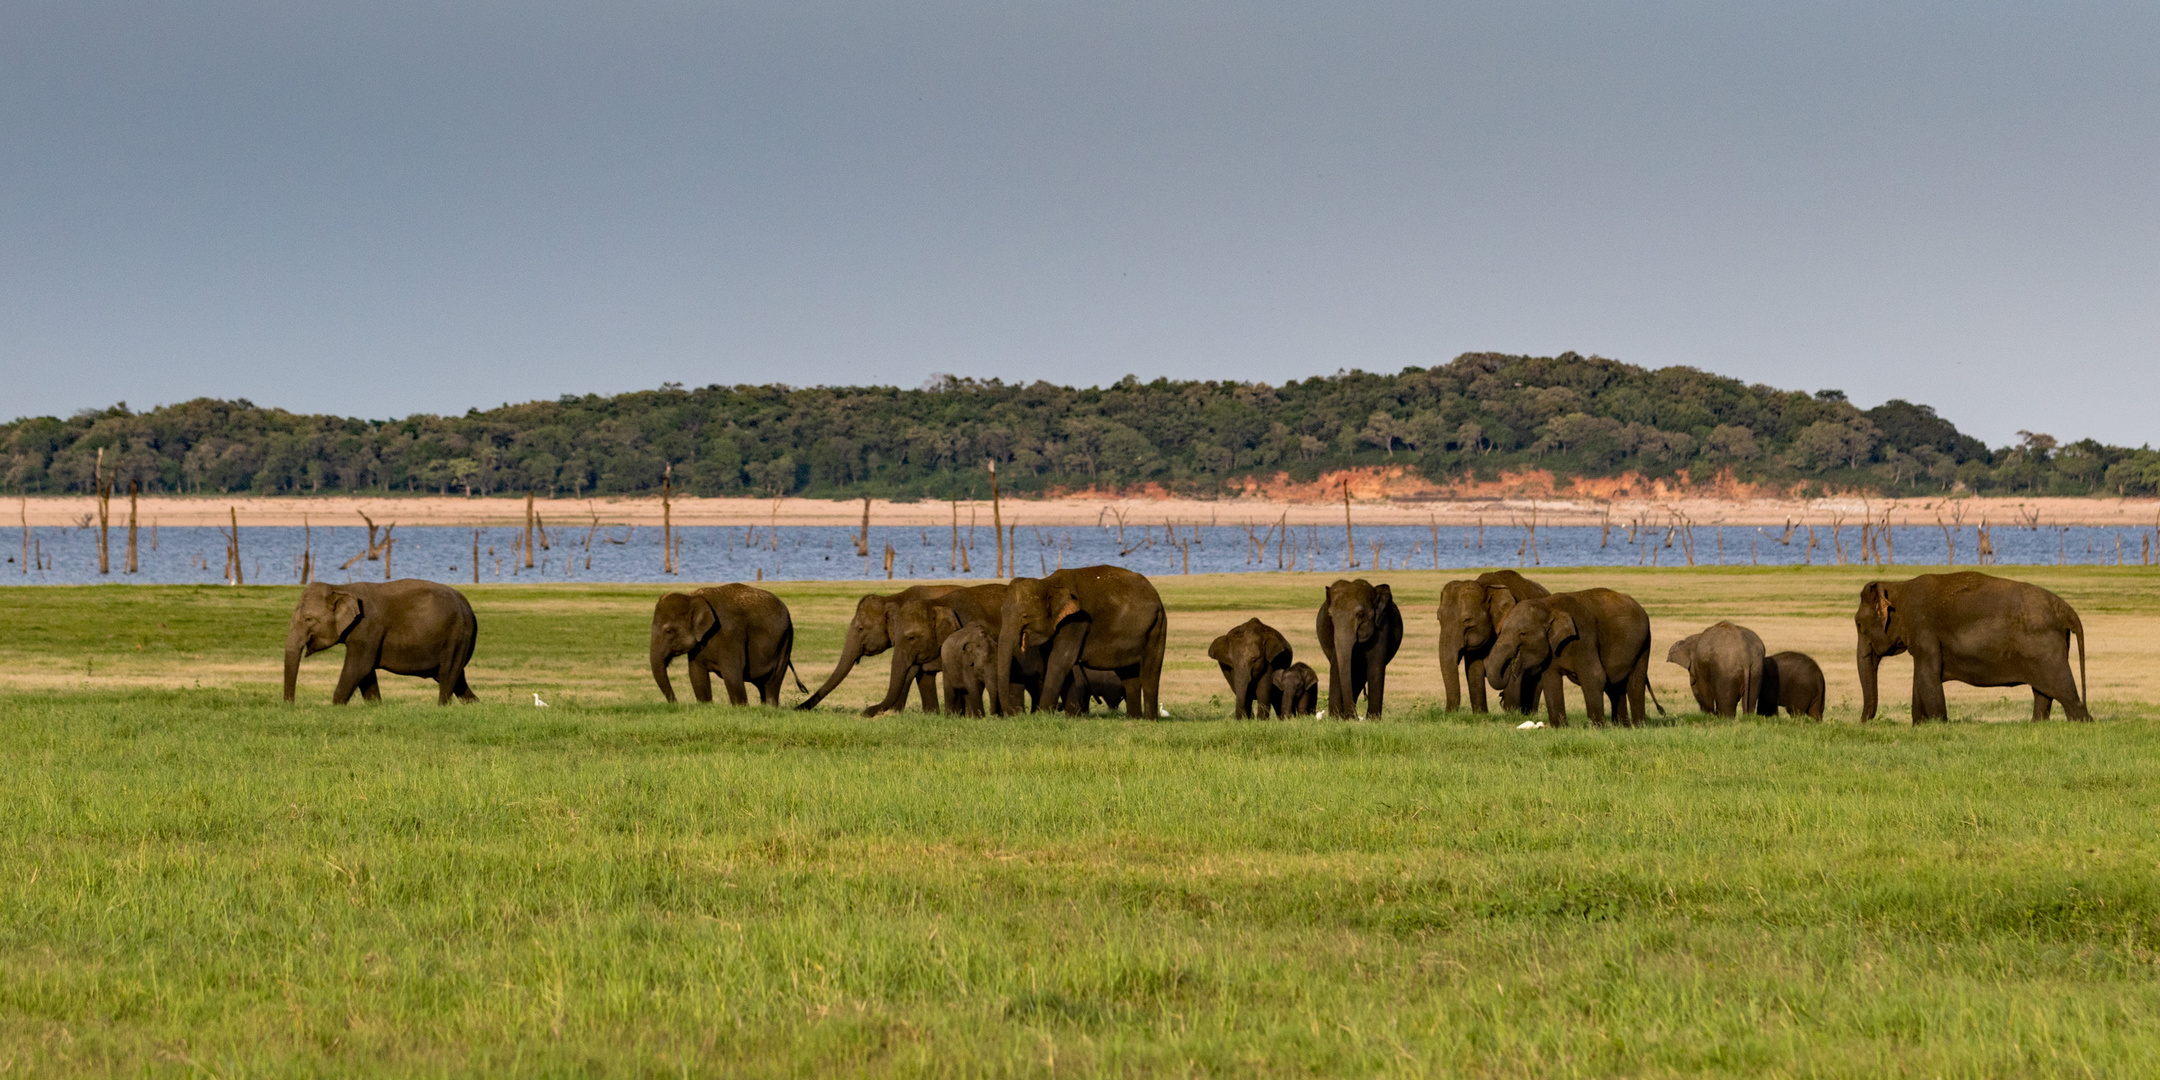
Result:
[{"x": 382, "y": 208}]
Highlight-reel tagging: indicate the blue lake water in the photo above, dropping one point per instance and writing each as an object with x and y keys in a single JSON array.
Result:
[{"x": 270, "y": 555}]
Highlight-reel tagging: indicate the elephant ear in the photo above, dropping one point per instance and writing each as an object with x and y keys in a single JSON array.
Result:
[
  {"x": 1219, "y": 650},
  {"x": 1384, "y": 596},
  {"x": 1499, "y": 601},
  {"x": 948, "y": 623},
  {"x": 344, "y": 612},
  {"x": 1683, "y": 652},
  {"x": 702, "y": 617},
  {"x": 1562, "y": 630},
  {"x": 1065, "y": 606}
]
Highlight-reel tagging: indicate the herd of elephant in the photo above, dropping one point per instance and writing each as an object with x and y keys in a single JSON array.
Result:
[{"x": 1098, "y": 633}]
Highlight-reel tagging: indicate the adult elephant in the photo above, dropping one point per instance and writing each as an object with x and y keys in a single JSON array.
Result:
[
  {"x": 1470, "y": 613},
  {"x": 740, "y": 631},
  {"x": 869, "y": 634},
  {"x": 1725, "y": 668},
  {"x": 1102, "y": 617},
  {"x": 1973, "y": 628},
  {"x": 1360, "y": 628},
  {"x": 405, "y": 627},
  {"x": 1597, "y": 637},
  {"x": 1250, "y": 654}
]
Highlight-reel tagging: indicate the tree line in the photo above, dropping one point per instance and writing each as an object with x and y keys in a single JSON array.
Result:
[{"x": 1479, "y": 415}]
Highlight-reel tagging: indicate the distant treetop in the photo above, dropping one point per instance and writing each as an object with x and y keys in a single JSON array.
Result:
[{"x": 1478, "y": 415}]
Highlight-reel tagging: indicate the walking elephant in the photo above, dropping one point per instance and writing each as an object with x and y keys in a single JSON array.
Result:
[
  {"x": 1250, "y": 655},
  {"x": 870, "y": 633},
  {"x": 1102, "y": 617},
  {"x": 1972, "y": 628},
  {"x": 742, "y": 632},
  {"x": 1470, "y": 613},
  {"x": 405, "y": 627},
  {"x": 1725, "y": 667},
  {"x": 1360, "y": 628},
  {"x": 1598, "y": 638},
  {"x": 1794, "y": 681},
  {"x": 1297, "y": 690}
]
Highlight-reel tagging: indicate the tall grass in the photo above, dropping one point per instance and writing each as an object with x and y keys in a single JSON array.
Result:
[{"x": 211, "y": 882}]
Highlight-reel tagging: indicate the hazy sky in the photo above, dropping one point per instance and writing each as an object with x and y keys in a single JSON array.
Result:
[{"x": 376, "y": 209}]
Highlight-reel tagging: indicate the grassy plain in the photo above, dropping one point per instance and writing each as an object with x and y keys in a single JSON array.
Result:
[{"x": 195, "y": 878}]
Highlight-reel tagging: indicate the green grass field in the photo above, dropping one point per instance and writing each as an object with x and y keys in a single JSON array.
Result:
[{"x": 197, "y": 879}]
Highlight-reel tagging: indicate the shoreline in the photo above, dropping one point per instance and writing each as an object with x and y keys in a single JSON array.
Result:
[{"x": 41, "y": 511}]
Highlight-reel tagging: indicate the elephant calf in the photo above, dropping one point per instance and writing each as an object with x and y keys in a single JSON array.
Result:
[
  {"x": 1250, "y": 654},
  {"x": 1297, "y": 690},
  {"x": 965, "y": 657},
  {"x": 1724, "y": 665},
  {"x": 406, "y": 627},
  {"x": 1795, "y": 681}
]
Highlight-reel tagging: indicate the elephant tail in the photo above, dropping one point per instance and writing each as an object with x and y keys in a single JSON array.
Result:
[
  {"x": 1652, "y": 687},
  {"x": 798, "y": 676}
]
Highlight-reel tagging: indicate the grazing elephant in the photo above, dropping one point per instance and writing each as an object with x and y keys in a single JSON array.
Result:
[
  {"x": 1102, "y": 617},
  {"x": 965, "y": 660},
  {"x": 1597, "y": 637},
  {"x": 405, "y": 627},
  {"x": 1360, "y": 628},
  {"x": 742, "y": 632},
  {"x": 1297, "y": 690},
  {"x": 869, "y": 633},
  {"x": 1793, "y": 680},
  {"x": 1973, "y": 628},
  {"x": 1725, "y": 667},
  {"x": 1250, "y": 655},
  {"x": 1470, "y": 612}
]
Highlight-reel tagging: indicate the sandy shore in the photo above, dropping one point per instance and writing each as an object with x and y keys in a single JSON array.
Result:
[{"x": 41, "y": 511}]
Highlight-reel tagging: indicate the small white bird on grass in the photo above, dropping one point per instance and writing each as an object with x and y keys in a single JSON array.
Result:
[
  {"x": 539, "y": 703},
  {"x": 1530, "y": 725}
]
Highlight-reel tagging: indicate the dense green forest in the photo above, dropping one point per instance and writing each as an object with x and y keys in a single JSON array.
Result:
[{"x": 1481, "y": 414}]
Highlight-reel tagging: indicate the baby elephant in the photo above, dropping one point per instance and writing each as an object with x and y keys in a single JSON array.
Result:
[
  {"x": 1724, "y": 665},
  {"x": 965, "y": 657},
  {"x": 1250, "y": 655},
  {"x": 1297, "y": 690},
  {"x": 1795, "y": 681}
]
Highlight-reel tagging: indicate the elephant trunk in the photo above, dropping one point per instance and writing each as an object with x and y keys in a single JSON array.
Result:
[
  {"x": 295, "y": 648},
  {"x": 1869, "y": 662},
  {"x": 1451, "y": 653},
  {"x": 660, "y": 658},
  {"x": 1341, "y": 699},
  {"x": 849, "y": 654}
]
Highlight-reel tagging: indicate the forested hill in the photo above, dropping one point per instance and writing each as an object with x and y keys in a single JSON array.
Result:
[{"x": 1482, "y": 413}]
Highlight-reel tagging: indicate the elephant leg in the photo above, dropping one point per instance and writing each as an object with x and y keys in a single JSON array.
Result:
[
  {"x": 1375, "y": 690},
  {"x": 443, "y": 683},
  {"x": 463, "y": 689},
  {"x": 1928, "y": 702},
  {"x": 1474, "y": 672},
  {"x": 371, "y": 688},
  {"x": 769, "y": 689},
  {"x": 2056, "y": 682},
  {"x": 700, "y": 681},
  {"x": 926, "y": 689},
  {"x": 2043, "y": 706},
  {"x": 1616, "y": 701},
  {"x": 1592, "y": 680},
  {"x": 1555, "y": 701},
  {"x": 359, "y": 667},
  {"x": 731, "y": 674}
]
